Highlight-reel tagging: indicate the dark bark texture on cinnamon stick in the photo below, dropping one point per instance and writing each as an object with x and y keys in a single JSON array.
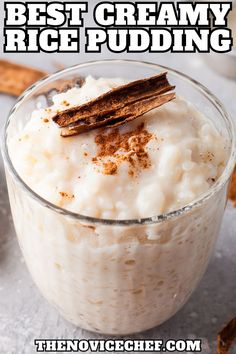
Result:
[
  {"x": 117, "y": 106},
  {"x": 120, "y": 116}
]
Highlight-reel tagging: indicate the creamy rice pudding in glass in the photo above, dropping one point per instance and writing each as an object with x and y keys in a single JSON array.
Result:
[{"x": 117, "y": 225}]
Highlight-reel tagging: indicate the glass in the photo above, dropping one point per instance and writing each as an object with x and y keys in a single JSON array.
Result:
[{"x": 116, "y": 276}]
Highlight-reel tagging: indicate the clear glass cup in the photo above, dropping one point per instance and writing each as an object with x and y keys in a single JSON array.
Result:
[{"x": 116, "y": 276}]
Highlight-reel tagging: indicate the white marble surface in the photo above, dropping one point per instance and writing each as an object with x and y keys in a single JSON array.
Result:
[{"x": 25, "y": 315}]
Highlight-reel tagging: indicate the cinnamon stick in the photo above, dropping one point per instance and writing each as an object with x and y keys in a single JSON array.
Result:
[
  {"x": 118, "y": 106},
  {"x": 226, "y": 337},
  {"x": 232, "y": 188},
  {"x": 14, "y": 78},
  {"x": 120, "y": 116},
  {"x": 115, "y": 99}
]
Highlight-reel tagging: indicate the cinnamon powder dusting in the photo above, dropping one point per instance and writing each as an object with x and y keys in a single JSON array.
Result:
[
  {"x": 66, "y": 195},
  {"x": 115, "y": 148}
]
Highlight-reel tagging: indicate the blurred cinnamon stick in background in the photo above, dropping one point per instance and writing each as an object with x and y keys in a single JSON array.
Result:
[
  {"x": 15, "y": 78},
  {"x": 232, "y": 189},
  {"x": 226, "y": 337}
]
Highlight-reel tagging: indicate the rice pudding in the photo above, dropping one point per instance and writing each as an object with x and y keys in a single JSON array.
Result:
[
  {"x": 125, "y": 172},
  {"x": 113, "y": 278}
]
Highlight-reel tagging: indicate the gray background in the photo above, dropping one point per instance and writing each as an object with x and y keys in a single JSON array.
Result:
[{"x": 25, "y": 315}]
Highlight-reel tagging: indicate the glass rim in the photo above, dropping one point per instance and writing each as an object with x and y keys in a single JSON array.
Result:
[{"x": 135, "y": 221}]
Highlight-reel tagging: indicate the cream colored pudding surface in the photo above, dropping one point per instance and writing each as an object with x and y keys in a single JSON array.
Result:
[
  {"x": 156, "y": 164},
  {"x": 110, "y": 278}
]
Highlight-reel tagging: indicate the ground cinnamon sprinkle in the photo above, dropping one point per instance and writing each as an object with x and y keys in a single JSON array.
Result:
[
  {"x": 232, "y": 188},
  {"x": 66, "y": 195},
  {"x": 114, "y": 148},
  {"x": 109, "y": 168},
  {"x": 65, "y": 103}
]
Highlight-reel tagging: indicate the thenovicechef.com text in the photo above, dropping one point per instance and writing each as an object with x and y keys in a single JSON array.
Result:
[{"x": 117, "y": 345}]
